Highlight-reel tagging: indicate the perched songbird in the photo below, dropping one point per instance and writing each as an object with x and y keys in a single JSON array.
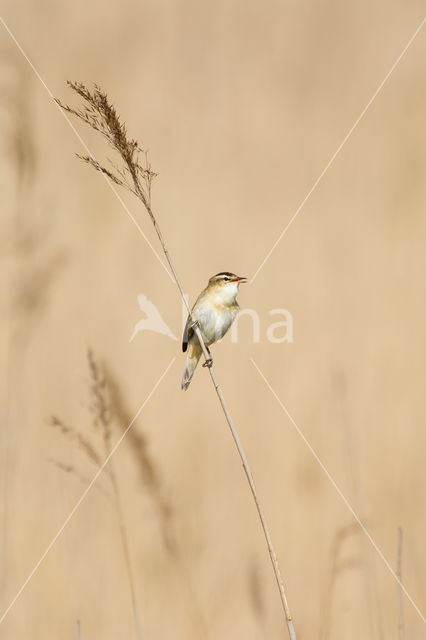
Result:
[{"x": 214, "y": 312}]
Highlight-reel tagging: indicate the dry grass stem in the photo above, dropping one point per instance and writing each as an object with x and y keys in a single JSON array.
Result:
[{"x": 136, "y": 175}]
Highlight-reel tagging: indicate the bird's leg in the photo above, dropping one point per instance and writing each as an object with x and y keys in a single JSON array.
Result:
[
  {"x": 194, "y": 324},
  {"x": 209, "y": 362}
]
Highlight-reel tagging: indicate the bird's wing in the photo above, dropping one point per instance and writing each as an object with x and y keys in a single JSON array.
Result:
[{"x": 187, "y": 334}]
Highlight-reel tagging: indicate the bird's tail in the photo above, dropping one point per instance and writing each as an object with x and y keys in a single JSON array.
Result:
[{"x": 194, "y": 353}]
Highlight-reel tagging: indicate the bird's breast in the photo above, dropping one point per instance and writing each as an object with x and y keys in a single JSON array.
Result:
[{"x": 214, "y": 320}]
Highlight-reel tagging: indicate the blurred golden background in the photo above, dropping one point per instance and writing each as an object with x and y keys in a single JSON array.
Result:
[{"x": 241, "y": 105}]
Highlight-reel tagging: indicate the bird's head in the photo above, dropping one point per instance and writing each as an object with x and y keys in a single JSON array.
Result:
[{"x": 226, "y": 284}]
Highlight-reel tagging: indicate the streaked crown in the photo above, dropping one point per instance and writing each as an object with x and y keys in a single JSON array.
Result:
[{"x": 224, "y": 277}]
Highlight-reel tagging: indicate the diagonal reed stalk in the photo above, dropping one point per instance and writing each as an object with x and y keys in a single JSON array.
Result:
[{"x": 136, "y": 175}]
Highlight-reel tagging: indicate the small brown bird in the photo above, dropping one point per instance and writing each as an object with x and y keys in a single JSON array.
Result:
[{"x": 214, "y": 312}]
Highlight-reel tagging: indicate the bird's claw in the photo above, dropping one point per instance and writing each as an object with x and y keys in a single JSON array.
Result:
[
  {"x": 208, "y": 363},
  {"x": 194, "y": 324}
]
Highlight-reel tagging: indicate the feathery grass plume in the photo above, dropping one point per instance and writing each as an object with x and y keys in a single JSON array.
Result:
[
  {"x": 135, "y": 175},
  {"x": 107, "y": 406}
]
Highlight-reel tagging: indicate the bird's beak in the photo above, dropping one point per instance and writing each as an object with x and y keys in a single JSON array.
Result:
[{"x": 240, "y": 279}]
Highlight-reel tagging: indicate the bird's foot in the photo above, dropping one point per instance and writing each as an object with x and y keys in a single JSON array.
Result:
[
  {"x": 208, "y": 363},
  {"x": 194, "y": 324}
]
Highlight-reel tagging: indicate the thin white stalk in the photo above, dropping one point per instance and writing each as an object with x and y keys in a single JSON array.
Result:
[{"x": 246, "y": 466}]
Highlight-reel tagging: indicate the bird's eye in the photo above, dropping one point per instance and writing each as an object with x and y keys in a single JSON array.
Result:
[{"x": 226, "y": 278}]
